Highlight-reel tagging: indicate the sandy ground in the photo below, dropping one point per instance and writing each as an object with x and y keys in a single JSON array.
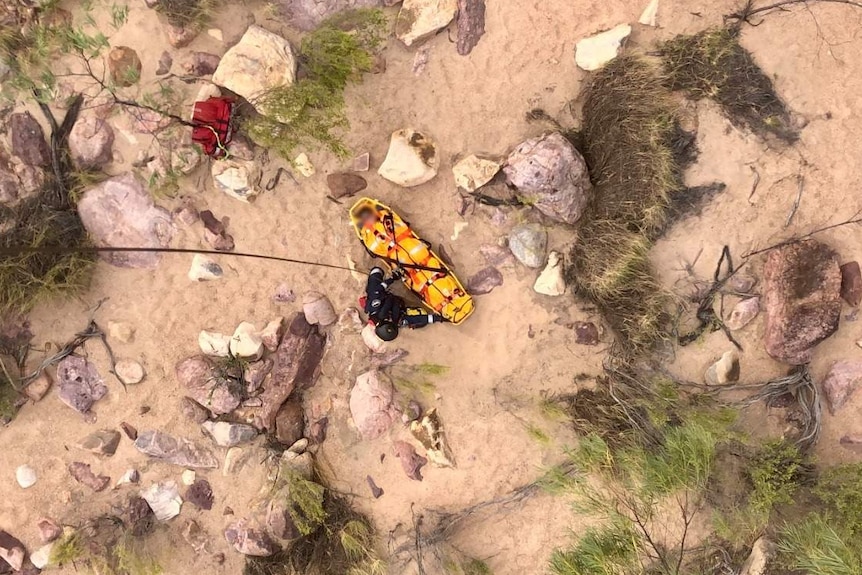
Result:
[{"x": 513, "y": 349}]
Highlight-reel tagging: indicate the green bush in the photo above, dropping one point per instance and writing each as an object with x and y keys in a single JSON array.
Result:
[
  {"x": 813, "y": 546},
  {"x": 775, "y": 475},
  {"x": 840, "y": 488}
]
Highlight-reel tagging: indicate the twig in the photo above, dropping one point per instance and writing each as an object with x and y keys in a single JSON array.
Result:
[
  {"x": 746, "y": 13},
  {"x": 755, "y": 184},
  {"x": 854, "y": 219},
  {"x": 800, "y": 181}
]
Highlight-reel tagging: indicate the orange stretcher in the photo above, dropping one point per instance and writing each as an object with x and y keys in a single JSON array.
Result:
[{"x": 388, "y": 237}]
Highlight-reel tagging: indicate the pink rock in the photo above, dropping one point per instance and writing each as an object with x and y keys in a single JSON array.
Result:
[
  {"x": 91, "y": 142},
  {"x": 199, "y": 376},
  {"x": 83, "y": 474},
  {"x": 743, "y": 313},
  {"x": 411, "y": 462},
  {"x": 851, "y": 283},
  {"x": 49, "y": 530},
  {"x": 841, "y": 382},
  {"x": 249, "y": 539},
  {"x": 372, "y": 405}
]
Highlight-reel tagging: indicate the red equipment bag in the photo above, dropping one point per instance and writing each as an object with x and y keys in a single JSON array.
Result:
[{"x": 212, "y": 129}]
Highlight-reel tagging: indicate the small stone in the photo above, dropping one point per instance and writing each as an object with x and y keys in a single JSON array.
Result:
[
  {"x": 372, "y": 405},
  {"x": 594, "y": 52},
  {"x": 79, "y": 384},
  {"x": 420, "y": 19},
  {"x": 188, "y": 477},
  {"x": 219, "y": 558},
  {"x": 124, "y": 66},
  {"x": 216, "y": 34},
  {"x": 41, "y": 557},
  {"x": 551, "y": 281},
  {"x": 299, "y": 447},
  {"x": 91, "y": 143},
  {"x": 181, "y": 36},
  {"x": 586, "y": 333},
  {"x": 376, "y": 492},
  {"x": 851, "y": 283},
  {"x": 303, "y": 165},
  {"x": 742, "y": 283},
  {"x": 175, "y": 450},
  {"x": 12, "y": 551},
  {"x": 201, "y": 64},
  {"x": 164, "y": 499},
  {"x": 528, "y": 243},
  {"x": 200, "y": 494},
  {"x": 249, "y": 540},
  {"x": 255, "y": 374},
  {"x": 743, "y": 313},
  {"x": 26, "y": 476},
  {"x": 246, "y": 342},
  {"x": 229, "y": 434},
  {"x": 411, "y": 462},
  {"x": 842, "y": 381},
  {"x": 165, "y": 63},
  {"x": 129, "y": 430},
  {"x": 345, "y": 185},
  {"x": 723, "y": 371},
  {"x": 129, "y": 371},
  {"x": 214, "y": 344},
  {"x": 420, "y": 59},
  {"x": 412, "y": 159},
  {"x": 194, "y": 411},
  {"x": 283, "y": 294},
  {"x": 83, "y": 474},
  {"x": 238, "y": 178},
  {"x": 121, "y": 331},
  {"x": 649, "y": 15},
  {"x": 484, "y": 281},
  {"x": 362, "y": 162},
  {"x": 271, "y": 334},
  {"x": 289, "y": 422},
  {"x": 49, "y": 530},
  {"x": 204, "y": 268},
  {"x": 758, "y": 560},
  {"x": 473, "y": 172},
  {"x": 457, "y": 229},
  {"x": 140, "y": 518},
  {"x": 28, "y": 140},
  {"x": 131, "y": 476},
  {"x": 318, "y": 309},
  {"x": 371, "y": 340},
  {"x": 39, "y": 387},
  {"x": 233, "y": 460},
  {"x": 102, "y": 442}
]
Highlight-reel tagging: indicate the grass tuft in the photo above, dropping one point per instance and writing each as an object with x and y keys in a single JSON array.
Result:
[{"x": 187, "y": 13}]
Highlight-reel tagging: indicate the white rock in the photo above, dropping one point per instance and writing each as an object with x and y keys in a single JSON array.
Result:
[
  {"x": 189, "y": 476},
  {"x": 550, "y": 281},
  {"x": 594, "y": 52},
  {"x": 757, "y": 562},
  {"x": 129, "y": 477},
  {"x": 41, "y": 557},
  {"x": 216, "y": 33},
  {"x": 723, "y": 371},
  {"x": 233, "y": 460},
  {"x": 300, "y": 446},
  {"x": 260, "y": 62},
  {"x": 226, "y": 434},
  {"x": 237, "y": 178},
  {"x": 303, "y": 165},
  {"x": 129, "y": 371},
  {"x": 474, "y": 172},
  {"x": 371, "y": 340},
  {"x": 26, "y": 476},
  {"x": 246, "y": 342},
  {"x": 457, "y": 229},
  {"x": 121, "y": 331},
  {"x": 318, "y": 309},
  {"x": 649, "y": 15},
  {"x": 214, "y": 344},
  {"x": 204, "y": 268},
  {"x": 412, "y": 159},
  {"x": 419, "y": 19},
  {"x": 164, "y": 499}
]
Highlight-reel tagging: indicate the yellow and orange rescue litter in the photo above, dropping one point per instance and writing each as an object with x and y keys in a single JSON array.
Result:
[{"x": 385, "y": 235}]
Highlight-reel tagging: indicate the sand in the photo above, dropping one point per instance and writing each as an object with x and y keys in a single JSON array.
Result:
[{"x": 516, "y": 347}]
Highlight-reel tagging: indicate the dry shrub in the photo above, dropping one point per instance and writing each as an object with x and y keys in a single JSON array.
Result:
[
  {"x": 713, "y": 64},
  {"x": 187, "y": 13}
]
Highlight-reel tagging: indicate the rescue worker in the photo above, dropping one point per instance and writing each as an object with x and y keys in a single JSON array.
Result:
[{"x": 387, "y": 311}]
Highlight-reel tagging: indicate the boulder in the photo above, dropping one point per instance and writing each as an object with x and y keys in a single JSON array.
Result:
[
  {"x": 723, "y": 371},
  {"x": 289, "y": 422},
  {"x": 345, "y": 185},
  {"x": 318, "y": 309},
  {"x": 12, "y": 551},
  {"x": 528, "y": 243},
  {"x": 214, "y": 344},
  {"x": 411, "y": 462},
  {"x": 101, "y": 442},
  {"x": 372, "y": 405},
  {"x": 550, "y": 175},
  {"x": 260, "y": 62},
  {"x": 484, "y": 281},
  {"x": 420, "y": 19},
  {"x": 249, "y": 540},
  {"x": 84, "y": 475},
  {"x": 801, "y": 287},
  {"x": 164, "y": 499},
  {"x": 237, "y": 178},
  {"x": 551, "y": 281},
  {"x": 207, "y": 386},
  {"x": 471, "y": 25},
  {"x": 412, "y": 159},
  {"x": 246, "y": 342},
  {"x": 201, "y": 64},
  {"x": 594, "y": 52},
  {"x": 175, "y": 450},
  {"x": 124, "y": 66},
  {"x": 841, "y": 383},
  {"x": 851, "y": 283},
  {"x": 28, "y": 140},
  {"x": 79, "y": 384},
  {"x": 91, "y": 143},
  {"x": 226, "y": 434},
  {"x": 306, "y": 15},
  {"x": 26, "y": 476},
  {"x": 129, "y": 371},
  {"x": 121, "y": 212},
  {"x": 204, "y": 268},
  {"x": 473, "y": 172}
]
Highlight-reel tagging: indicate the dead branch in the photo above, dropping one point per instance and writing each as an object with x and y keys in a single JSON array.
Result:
[
  {"x": 854, "y": 219},
  {"x": 754, "y": 184},
  {"x": 745, "y": 14},
  {"x": 800, "y": 181}
]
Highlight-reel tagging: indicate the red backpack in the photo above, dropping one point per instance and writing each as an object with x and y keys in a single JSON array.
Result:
[{"x": 212, "y": 128}]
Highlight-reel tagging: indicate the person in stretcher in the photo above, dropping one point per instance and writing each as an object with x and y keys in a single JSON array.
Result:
[{"x": 388, "y": 311}]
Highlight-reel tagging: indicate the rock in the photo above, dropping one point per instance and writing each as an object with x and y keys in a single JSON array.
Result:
[
  {"x": 742, "y": 283},
  {"x": 237, "y": 178},
  {"x": 246, "y": 342},
  {"x": 299, "y": 446},
  {"x": 229, "y": 434},
  {"x": 318, "y": 309},
  {"x": 195, "y": 536},
  {"x": 188, "y": 477},
  {"x": 215, "y": 232},
  {"x": 124, "y": 66},
  {"x": 216, "y": 34},
  {"x": 41, "y": 557},
  {"x": 851, "y": 283},
  {"x": 473, "y": 172},
  {"x": 551, "y": 175},
  {"x": 200, "y": 494},
  {"x": 129, "y": 430},
  {"x": 303, "y": 165},
  {"x": 255, "y": 374},
  {"x": 743, "y": 313},
  {"x": 648, "y": 16},
  {"x": 594, "y": 52},
  {"x": 496, "y": 255},
  {"x": 471, "y": 24},
  {"x": 131, "y": 476},
  {"x": 271, "y": 334},
  {"x": 165, "y": 63},
  {"x": 301, "y": 463},
  {"x": 801, "y": 287},
  {"x": 194, "y": 411},
  {"x": 429, "y": 432},
  {"x": 91, "y": 143},
  {"x": 551, "y": 281},
  {"x": 372, "y": 405},
  {"x": 841, "y": 382},
  {"x": 181, "y": 36},
  {"x": 283, "y": 294},
  {"x": 234, "y": 460},
  {"x": 412, "y": 159},
  {"x": 419, "y": 19},
  {"x": 586, "y": 333},
  {"x": 164, "y": 499},
  {"x": 260, "y": 62},
  {"x": 122, "y": 332},
  {"x": 102, "y": 442},
  {"x": 175, "y": 450},
  {"x": 376, "y": 492},
  {"x": 289, "y": 422},
  {"x": 121, "y": 212},
  {"x": 317, "y": 430},
  {"x": 723, "y": 371},
  {"x": 388, "y": 358},
  {"x": 28, "y": 140},
  {"x": 371, "y": 340},
  {"x": 362, "y": 162},
  {"x": 851, "y": 442},
  {"x": 79, "y": 384},
  {"x": 411, "y": 462},
  {"x": 49, "y": 530},
  {"x": 39, "y": 387},
  {"x": 83, "y": 474},
  {"x": 420, "y": 59},
  {"x": 12, "y": 551},
  {"x": 306, "y": 15},
  {"x": 129, "y": 371},
  {"x": 528, "y": 243},
  {"x": 204, "y": 268},
  {"x": 280, "y": 523},
  {"x": 484, "y": 281},
  {"x": 345, "y": 185},
  {"x": 201, "y": 64},
  {"x": 206, "y": 386},
  {"x": 758, "y": 561},
  {"x": 26, "y": 476},
  {"x": 140, "y": 517},
  {"x": 214, "y": 344},
  {"x": 249, "y": 540}
]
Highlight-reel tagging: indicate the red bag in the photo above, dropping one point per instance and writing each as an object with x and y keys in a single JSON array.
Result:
[{"x": 212, "y": 128}]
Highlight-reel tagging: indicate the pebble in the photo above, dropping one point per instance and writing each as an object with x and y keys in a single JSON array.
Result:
[
  {"x": 164, "y": 499},
  {"x": 102, "y": 442},
  {"x": 283, "y": 294},
  {"x": 121, "y": 331},
  {"x": 303, "y": 165},
  {"x": 362, "y": 162},
  {"x": 38, "y": 388},
  {"x": 204, "y": 268},
  {"x": 300, "y": 446},
  {"x": 246, "y": 342},
  {"x": 42, "y": 556},
  {"x": 723, "y": 371},
  {"x": 214, "y": 344},
  {"x": 48, "y": 530},
  {"x": 216, "y": 33},
  {"x": 229, "y": 434},
  {"x": 26, "y": 476},
  {"x": 200, "y": 494},
  {"x": 131, "y": 476},
  {"x": 188, "y": 476}
]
